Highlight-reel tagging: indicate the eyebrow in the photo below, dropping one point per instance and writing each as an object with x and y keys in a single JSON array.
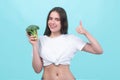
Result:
[{"x": 55, "y": 18}]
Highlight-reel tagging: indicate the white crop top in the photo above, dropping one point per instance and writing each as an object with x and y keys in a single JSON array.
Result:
[{"x": 59, "y": 50}]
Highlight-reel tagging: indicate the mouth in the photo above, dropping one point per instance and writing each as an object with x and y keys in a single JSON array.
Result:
[{"x": 52, "y": 27}]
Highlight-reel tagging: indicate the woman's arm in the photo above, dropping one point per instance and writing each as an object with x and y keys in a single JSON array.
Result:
[
  {"x": 36, "y": 61},
  {"x": 92, "y": 46}
]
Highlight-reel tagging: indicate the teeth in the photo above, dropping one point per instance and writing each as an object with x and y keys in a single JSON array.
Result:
[{"x": 53, "y": 26}]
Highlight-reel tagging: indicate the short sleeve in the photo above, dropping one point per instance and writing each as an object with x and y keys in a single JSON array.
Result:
[{"x": 78, "y": 43}]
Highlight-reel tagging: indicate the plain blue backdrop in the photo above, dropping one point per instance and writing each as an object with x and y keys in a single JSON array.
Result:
[{"x": 100, "y": 17}]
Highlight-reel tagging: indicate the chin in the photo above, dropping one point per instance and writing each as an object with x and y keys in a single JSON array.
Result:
[{"x": 54, "y": 31}]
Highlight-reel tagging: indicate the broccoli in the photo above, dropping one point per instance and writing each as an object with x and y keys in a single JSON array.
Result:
[{"x": 32, "y": 30}]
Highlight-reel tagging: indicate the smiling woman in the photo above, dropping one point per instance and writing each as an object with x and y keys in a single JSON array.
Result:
[
  {"x": 56, "y": 48},
  {"x": 54, "y": 23}
]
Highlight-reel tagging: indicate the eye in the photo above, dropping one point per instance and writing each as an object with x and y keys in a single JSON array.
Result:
[
  {"x": 50, "y": 18},
  {"x": 57, "y": 19}
]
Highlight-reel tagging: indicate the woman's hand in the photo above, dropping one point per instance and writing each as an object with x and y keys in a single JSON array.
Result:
[
  {"x": 80, "y": 29},
  {"x": 33, "y": 40},
  {"x": 92, "y": 46}
]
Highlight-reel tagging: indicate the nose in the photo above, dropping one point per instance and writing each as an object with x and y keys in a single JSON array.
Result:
[{"x": 53, "y": 21}]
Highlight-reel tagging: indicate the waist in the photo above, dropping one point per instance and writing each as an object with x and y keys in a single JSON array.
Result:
[
  {"x": 57, "y": 72},
  {"x": 47, "y": 62}
]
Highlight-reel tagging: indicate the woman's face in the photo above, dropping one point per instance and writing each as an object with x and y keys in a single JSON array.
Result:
[{"x": 54, "y": 22}]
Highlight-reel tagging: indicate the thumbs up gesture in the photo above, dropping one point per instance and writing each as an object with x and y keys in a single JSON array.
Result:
[{"x": 80, "y": 29}]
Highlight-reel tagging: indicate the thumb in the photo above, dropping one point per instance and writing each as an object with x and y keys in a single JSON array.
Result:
[{"x": 80, "y": 23}]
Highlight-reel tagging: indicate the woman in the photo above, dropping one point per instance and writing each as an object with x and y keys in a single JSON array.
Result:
[{"x": 56, "y": 48}]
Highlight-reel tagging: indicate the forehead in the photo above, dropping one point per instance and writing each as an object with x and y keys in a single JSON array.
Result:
[{"x": 54, "y": 14}]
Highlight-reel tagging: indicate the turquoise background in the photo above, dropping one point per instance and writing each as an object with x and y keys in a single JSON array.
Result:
[{"x": 100, "y": 17}]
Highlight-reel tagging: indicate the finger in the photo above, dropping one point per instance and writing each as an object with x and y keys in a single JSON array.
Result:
[
  {"x": 80, "y": 23},
  {"x": 32, "y": 39},
  {"x": 32, "y": 36}
]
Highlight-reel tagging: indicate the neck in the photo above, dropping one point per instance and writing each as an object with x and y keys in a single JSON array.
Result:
[{"x": 55, "y": 34}]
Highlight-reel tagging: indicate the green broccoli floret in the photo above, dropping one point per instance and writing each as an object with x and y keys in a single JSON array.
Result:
[{"x": 32, "y": 30}]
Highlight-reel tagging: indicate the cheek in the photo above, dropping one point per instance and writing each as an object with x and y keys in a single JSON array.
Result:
[
  {"x": 59, "y": 25},
  {"x": 48, "y": 22}
]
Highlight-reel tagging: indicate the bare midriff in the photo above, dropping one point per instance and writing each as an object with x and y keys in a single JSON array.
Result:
[{"x": 57, "y": 72}]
